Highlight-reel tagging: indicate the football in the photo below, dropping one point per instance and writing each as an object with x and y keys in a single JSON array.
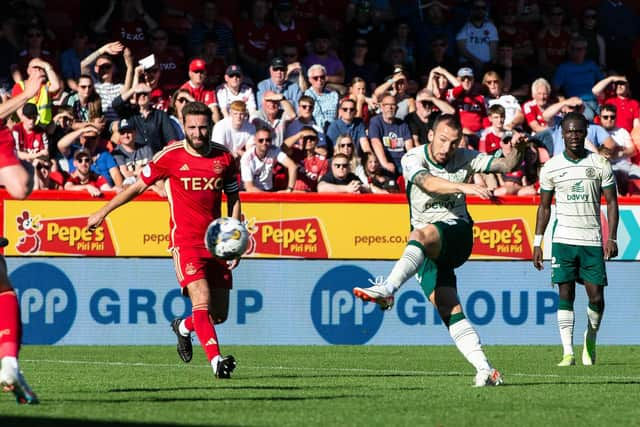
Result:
[{"x": 226, "y": 238}]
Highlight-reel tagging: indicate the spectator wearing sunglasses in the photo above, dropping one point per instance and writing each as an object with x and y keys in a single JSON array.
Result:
[
  {"x": 428, "y": 108},
  {"x": 179, "y": 99},
  {"x": 348, "y": 123},
  {"x": 258, "y": 165},
  {"x": 83, "y": 178},
  {"x": 234, "y": 89},
  {"x": 311, "y": 165},
  {"x": 104, "y": 75},
  {"x": 340, "y": 179},
  {"x": 326, "y": 101},
  {"x": 614, "y": 90}
]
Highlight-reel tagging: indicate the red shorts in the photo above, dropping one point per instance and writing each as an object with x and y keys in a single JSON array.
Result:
[
  {"x": 8, "y": 156},
  {"x": 193, "y": 264}
]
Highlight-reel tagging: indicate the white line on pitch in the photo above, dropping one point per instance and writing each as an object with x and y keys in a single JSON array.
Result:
[{"x": 355, "y": 370}]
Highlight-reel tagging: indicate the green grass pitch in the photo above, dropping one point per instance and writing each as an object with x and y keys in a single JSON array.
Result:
[{"x": 324, "y": 386}]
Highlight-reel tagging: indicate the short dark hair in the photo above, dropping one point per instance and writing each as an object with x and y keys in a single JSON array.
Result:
[
  {"x": 308, "y": 99},
  {"x": 450, "y": 120},
  {"x": 609, "y": 107},
  {"x": 196, "y": 109},
  {"x": 574, "y": 116},
  {"x": 497, "y": 109}
]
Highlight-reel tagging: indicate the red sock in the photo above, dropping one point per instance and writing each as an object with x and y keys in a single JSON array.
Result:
[
  {"x": 188, "y": 323},
  {"x": 10, "y": 328},
  {"x": 206, "y": 332}
]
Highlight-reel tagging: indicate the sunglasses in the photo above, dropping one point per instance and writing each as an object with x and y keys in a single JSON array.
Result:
[
  {"x": 309, "y": 138},
  {"x": 345, "y": 145},
  {"x": 425, "y": 103},
  {"x": 306, "y": 106},
  {"x": 85, "y": 86},
  {"x": 83, "y": 160},
  {"x": 315, "y": 78},
  {"x": 620, "y": 83},
  {"x": 466, "y": 78},
  {"x": 280, "y": 68},
  {"x": 348, "y": 110},
  {"x": 340, "y": 165},
  {"x": 105, "y": 66},
  {"x": 264, "y": 139},
  {"x": 182, "y": 99},
  {"x": 492, "y": 82},
  {"x": 611, "y": 117}
]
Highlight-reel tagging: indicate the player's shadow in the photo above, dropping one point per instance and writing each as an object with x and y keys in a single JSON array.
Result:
[
  {"x": 11, "y": 421},
  {"x": 269, "y": 398},
  {"x": 565, "y": 383}
]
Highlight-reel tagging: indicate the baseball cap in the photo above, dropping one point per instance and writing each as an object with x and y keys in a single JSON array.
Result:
[
  {"x": 82, "y": 152},
  {"x": 278, "y": 62},
  {"x": 30, "y": 110},
  {"x": 125, "y": 125},
  {"x": 197, "y": 64},
  {"x": 465, "y": 72},
  {"x": 233, "y": 70}
]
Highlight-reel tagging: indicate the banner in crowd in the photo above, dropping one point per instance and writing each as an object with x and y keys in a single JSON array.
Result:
[
  {"x": 325, "y": 230},
  {"x": 302, "y": 302}
]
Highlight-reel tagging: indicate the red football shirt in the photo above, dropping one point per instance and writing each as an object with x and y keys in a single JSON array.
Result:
[
  {"x": 533, "y": 112},
  {"x": 201, "y": 94},
  {"x": 194, "y": 188},
  {"x": 31, "y": 142},
  {"x": 470, "y": 107}
]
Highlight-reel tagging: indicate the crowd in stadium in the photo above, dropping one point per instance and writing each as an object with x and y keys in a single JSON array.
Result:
[{"x": 318, "y": 95}]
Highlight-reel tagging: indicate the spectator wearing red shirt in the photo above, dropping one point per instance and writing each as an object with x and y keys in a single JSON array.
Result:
[
  {"x": 553, "y": 42},
  {"x": 468, "y": 100},
  {"x": 614, "y": 90},
  {"x": 311, "y": 166},
  {"x": 31, "y": 140},
  {"x": 83, "y": 178},
  {"x": 197, "y": 88},
  {"x": 256, "y": 40},
  {"x": 533, "y": 109}
]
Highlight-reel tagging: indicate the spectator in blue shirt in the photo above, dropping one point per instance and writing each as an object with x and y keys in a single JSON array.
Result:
[
  {"x": 348, "y": 123},
  {"x": 279, "y": 82},
  {"x": 577, "y": 76},
  {"x": 389, "y": 135}
]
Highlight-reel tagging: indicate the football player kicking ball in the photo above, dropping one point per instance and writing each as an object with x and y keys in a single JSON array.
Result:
[
  {"x": 442, "y": 238},
  {"x": 578, "y": 178},
  {"x": 196, "y": 172}
]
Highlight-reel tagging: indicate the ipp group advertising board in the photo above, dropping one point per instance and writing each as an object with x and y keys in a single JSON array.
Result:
[{"x": 132, "y": 301}]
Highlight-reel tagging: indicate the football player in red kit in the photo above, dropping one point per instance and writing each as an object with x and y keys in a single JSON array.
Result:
[{"x": 196, "y": 171}]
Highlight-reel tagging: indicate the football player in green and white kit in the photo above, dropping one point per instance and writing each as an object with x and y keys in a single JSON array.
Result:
[
  {"x": 578, "y": 178},
  {"x": 441, "y": 238}
]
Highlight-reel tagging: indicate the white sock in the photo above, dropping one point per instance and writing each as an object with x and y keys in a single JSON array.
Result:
[
  {"x": 183, "y": 329},
  {"x": 566, "y": 321},
  {"x": 214, "y": 363},
  {"x": 593, "y": 322},
  {"x": 468, "y": 343},
  {"x": 9, "y": 365},
  {"x": 407, "y": 266}
]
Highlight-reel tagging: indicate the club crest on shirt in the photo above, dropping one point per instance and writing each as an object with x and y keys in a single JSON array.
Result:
[
  {"x": 591, "y": 173},
  {"x": 190, "y": 269},
  {"x": 218, "y": 167}
]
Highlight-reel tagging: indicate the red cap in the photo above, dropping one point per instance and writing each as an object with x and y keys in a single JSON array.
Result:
[{"x": 197, "y": 65}]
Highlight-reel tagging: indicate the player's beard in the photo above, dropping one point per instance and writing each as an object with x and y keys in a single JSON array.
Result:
[{"x": 203, "y": 149}]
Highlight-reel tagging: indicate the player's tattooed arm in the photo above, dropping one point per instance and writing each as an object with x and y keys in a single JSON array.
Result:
[
  {"x": 436, "y": 185},
  {"x": 513, "y": 157}
]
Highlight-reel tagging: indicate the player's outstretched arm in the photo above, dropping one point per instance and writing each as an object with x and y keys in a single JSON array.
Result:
[
  {"x": 133, "y": 191},
  {"x": 436, "y": 185},
  {"x": 611, "y": 245},
  {"x": 542, "y": 219}
]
